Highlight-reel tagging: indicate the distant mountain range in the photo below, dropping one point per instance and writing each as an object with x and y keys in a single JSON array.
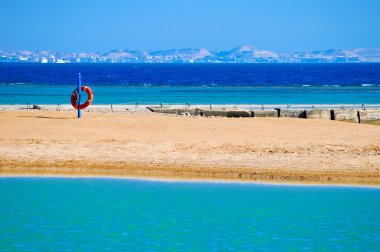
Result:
[{"x": 243, "y": 54}]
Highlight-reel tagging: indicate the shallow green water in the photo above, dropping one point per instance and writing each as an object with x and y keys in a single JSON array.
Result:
[{"x": 46, "y": 214}]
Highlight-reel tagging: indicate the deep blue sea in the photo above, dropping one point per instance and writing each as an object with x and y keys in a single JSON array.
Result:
[
  {"x": 63, "y": 214},
  {"x": 193, "y": 83}
]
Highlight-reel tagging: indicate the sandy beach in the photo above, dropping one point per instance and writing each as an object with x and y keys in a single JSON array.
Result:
[{"x": 145, "y": 144}]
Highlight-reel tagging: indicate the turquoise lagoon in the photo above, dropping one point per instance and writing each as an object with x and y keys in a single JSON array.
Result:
[{"x": 93, "y": 214}]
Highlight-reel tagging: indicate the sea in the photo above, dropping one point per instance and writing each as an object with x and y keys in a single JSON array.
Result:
[
  {"x": 93, "y": 214},
  {"x": 35, "y": 83}
]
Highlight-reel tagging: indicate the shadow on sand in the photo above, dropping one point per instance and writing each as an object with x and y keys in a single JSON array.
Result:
[{"x": 50, "y": 117}]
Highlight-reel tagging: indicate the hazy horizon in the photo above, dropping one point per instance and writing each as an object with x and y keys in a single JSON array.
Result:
[{"x": 188, "y": 48}]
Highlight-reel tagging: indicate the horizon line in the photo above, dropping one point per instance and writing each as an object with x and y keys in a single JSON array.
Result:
[{"x": 186, "y": 48}]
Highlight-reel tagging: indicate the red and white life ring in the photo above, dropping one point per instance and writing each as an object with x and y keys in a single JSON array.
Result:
[{"x": 74, "y": 98}]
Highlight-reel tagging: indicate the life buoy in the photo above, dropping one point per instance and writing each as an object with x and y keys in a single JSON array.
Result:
[{"x": 74, "y": 98}]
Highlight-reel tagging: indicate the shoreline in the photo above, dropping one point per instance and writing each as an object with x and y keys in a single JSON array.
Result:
[
  {"x": 142, "y": 107},
  {"x": 192, "y": 180},
  {"x": 188, "y": 172}
]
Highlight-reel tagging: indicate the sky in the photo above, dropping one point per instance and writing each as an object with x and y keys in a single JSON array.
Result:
[{"x": 103, "y": 25}]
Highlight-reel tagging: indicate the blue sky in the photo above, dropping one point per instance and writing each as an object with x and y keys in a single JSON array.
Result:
[{"x": 102, "y": 25}]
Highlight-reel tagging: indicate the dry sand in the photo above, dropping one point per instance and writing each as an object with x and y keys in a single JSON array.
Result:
[{"x": 155, "y": 145}]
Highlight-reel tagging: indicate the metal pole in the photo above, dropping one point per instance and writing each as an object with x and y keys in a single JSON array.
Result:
[{"x": 79, "y": 87}]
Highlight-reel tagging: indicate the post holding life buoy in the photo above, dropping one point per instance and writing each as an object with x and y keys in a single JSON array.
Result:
[{"x": 74, "y": 98}]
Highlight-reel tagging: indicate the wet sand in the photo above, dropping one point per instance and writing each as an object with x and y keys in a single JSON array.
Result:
[{"x": 144, "y": 144}]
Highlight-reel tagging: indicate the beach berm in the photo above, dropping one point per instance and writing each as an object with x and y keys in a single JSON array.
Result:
[{"x": 146, "y": 144}]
